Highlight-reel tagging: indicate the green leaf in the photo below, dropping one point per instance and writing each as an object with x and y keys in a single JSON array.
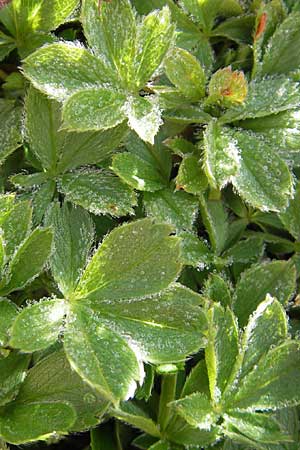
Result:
[
  {"x": 218, "y": 290},
  {"x": 134, "y": 260},
  {"x": 164, "y": 327},
  {"x": 263, "y": 178},
  {"x": 89, "y": 147},
  {"x": 197, "y": 411},
  {"x": 154, "y": 36},
  {"x": 38, "y": 326},
  {"x": 7, "y": 45},
  {"x": 36, "y": 249},
  {"x": 23, "y": 423},
  {"x": 104, "y": 437},
  {"x": 195, "y": 251},
  {"x": 203, "y": 12},
  {"x": 238, "y": 29},
  {"x": 41, "y": 201},
  {"x": 53, "y": 380},
  {"x": 16, "y": 226},
  {"x": 221, "y": 156},
  {"x": 274, "y": 382},
  {"x": 186, "y": 73},
  {"x": 73, "y": 237},
  {"x": 197, "y": 380},
  {"x": 277, "y": 278},
  {"x": 62, "y": 69},
  {"x": 265, "y": 97},
  {"x": 266, "y": 327},
  {"x": 259, "y": 427},
  {"x": 215, "y": 219},
  {"x": 13, "y": 371},
  {"x": 282, "y": 55},
  {"x": 44, "y": 15},
  {"x": 291, "y": 216},
  {"x": 8, "y": 313},
  {"x": 137, "y": 172},
  {"x": 132, "y": 414},
  {"x": 144, "y": 117},
  {"x": 161, "y": 445},
  {"x": 10, "y": 127},
  {"x": 100, "y": 192},
  {"x": 100, "y": 356},
  {"x": 222, "y": 340},
  {"x": 245, "y": 251},
  {"x": 191, "y": 176},
  {"x": 42, "y": 128},
  {"x": 174, "y": 207},
  {"x": 94, "y": 109},
  {"x": 112, "y": 34}
]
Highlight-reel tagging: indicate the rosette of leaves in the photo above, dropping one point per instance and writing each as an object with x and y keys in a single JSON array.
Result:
[
  {"x": 28, "y": 24},
  {"x": 119, "y": 308},
  {"x": 236, "y": 392},
  {"x": 100, "y": 87},
  {"x": 56, "y": 155}
]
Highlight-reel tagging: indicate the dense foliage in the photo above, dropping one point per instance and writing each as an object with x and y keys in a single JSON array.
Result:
[{"x": 150, "y": 224}]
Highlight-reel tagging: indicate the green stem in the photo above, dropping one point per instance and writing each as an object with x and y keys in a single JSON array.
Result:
[{"x": 168, "y": 391}]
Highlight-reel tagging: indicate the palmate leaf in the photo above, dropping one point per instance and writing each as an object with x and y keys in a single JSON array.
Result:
[
  {"x": 113, "y": 73},
  {"x": 250, "y": 378},
  {"x": 124, "y": 310}
]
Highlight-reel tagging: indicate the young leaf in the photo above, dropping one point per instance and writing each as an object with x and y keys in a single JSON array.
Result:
[
  {"x": 186, "y": 73},
  {"x": 277, "y": 278},
  {"x": 222, "y": 340},
  {"x": 135, "y": 260},
  {"x": 100, "y": 192},
  {"x": 154, "y": 36},
  {"x": 176, "y": 208},
  {"x": 73, "y": 237},
  {"x": 8, "y": 313},
  {"x": 217, "y": 289},
  {"x": 36, "y": 248},
  {"x": 38, "y": 326}
]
